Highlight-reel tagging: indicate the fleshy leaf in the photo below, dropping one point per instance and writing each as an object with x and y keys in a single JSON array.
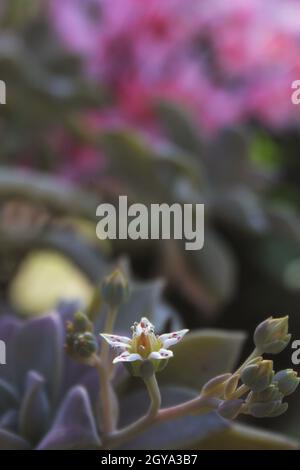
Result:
[
  {"x": 201, "y": 356},
  {"x": 74, "y": 426},
  {"x": 39, "y": 343},
  {"x": 143, "y": 300},
  {"x": 175, "y": 434},
  {"x": 35, "y": 410},
  {"x": 242, "y": 437},
  {"x": 9, "y": 420},
  {"x": 215, "y": 265},
  {"x": 10, "y": 441},
  {"x": 87, "y": 376},
  {"x": 8, "y": 395}
]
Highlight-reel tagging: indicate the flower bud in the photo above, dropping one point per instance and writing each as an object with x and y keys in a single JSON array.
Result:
[
  {"x": 287, "y": 381},
  {"x": 271, "y": 393},
  {"x": 82, "y": 323},
  {"x": 230, "y": 409},
  {"x": 80, "y": 345},
  {"x": 231, "y": 386},
  {"x": 85, "y": 345},
  {"x": 215, "y": 387},
  {"x": 263, "y": 410},
  {"x": 258, "y": 376},
  {"x": 271, "y": 336},
  {"x": 115, "y": 290},
  {"x": 279, "y": 410}
]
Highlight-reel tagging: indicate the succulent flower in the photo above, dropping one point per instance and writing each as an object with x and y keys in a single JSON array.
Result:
[
  {"x": 144, "y": 346},
  {"x": 272, "y": 336},
  {"x": 46, "y": 399}
]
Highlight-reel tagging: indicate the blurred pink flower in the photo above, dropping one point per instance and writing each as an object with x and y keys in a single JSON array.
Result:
[{"x": 226, "y": 61}]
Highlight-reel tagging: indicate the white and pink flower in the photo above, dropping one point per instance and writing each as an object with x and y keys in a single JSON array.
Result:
[{"x": 144, "y": 345}]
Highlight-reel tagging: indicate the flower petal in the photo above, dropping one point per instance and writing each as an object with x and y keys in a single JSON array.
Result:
[
  {"x": 127, "y": 357},
  {"x": 161, "y": 354},
  {"x": 170, "y": 339},
  {"x": 116, "y": 341}
]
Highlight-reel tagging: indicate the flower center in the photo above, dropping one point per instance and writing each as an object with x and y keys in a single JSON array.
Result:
[{"x": 144, "y": 345}]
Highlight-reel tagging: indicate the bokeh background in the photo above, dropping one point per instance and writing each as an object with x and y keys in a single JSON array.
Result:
[{"x": 165, "y": 101}]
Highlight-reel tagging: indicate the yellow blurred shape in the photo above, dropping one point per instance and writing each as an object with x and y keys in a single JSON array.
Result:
[{"x": 44, "y": 278}]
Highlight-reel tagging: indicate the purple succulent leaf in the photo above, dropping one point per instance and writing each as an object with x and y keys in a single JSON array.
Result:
[
  {"x": 90, "y": 380},
  {"x": 35, "y": 410},
  {"x": 87, "y": 376},
  {"x": 10, "y": 441},
  {"x": 74, "y": 426},
  {"x": 10, "y": 420},
  {"x": 8, "y": 395},
  {"x": 39, "y": 346}
]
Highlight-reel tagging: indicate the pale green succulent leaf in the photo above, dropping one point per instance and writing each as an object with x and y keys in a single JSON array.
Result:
[{"x": 202, "y": 355}]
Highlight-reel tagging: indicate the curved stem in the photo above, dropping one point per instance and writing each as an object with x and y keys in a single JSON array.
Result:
[
  {"x": 108, "y": 328},
  {"x": 143, "y": 423},
  {"x": 198, "y": 405},
  {"x": 103, "y": 366},
  {"x": 255, "y": 353},
  {"x": 107, "y": 421}
]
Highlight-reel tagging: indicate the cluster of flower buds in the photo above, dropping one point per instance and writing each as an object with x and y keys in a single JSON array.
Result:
[
  {"x": 268, "y": 389},
  {"x": 80, "y": 340},
  {"x": 255, "y": 388}
]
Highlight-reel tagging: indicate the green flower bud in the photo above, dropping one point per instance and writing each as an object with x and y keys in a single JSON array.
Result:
[
  {"x": 271, "y": 393},
  {"x": 80, "y": 345},
  {"x": 258, "y": 376},
  {"x": 82, "y": 323},
  {"x": 271, "y": 336},
  {"x": 287, "y": 381},
  {"x": 85, "y": 345},
  {"x": 215, "y": 387},
  {"x": 230, "y": 409},
  {"x": 279, "y": 410},
  {"x": 263, "y": 410},
  {"x": 115, "y": 290}
]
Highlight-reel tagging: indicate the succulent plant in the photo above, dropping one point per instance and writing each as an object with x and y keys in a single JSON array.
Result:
[
  {"x": 49, "y": 400},
  {"x": 46, "y": 400}
]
